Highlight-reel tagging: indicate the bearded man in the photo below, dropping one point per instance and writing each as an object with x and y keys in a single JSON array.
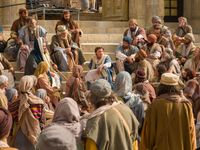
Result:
[{"x": 71, "y": 26}]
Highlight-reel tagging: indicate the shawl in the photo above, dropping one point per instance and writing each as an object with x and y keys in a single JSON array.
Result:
[
  {"x": 29, "y": 124},
  {"x": 67, "y": 114},
  {"x": 123, "y": 83}
]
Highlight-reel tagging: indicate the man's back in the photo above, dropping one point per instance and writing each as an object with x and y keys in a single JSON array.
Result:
[
  {"x": 109, "y": 131},
  {"x": 169, "y": 125}
]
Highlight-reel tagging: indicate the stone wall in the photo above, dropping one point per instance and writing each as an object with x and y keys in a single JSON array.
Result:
[{"x": 9, "y": 14}]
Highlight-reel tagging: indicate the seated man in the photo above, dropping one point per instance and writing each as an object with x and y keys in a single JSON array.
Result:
[
  {"x": 152, "y": 46},
  {"x": 125, "y": 55},
  {"x": 194, "y": 62},
  {"x": 64, "y": 53},
  {"x": 20, "y": 22},
  {"x": 134, "y": 31},
  {"x": 71, "y": 26},
  {"x": 156, "y": 20},
  {"x": 185, "y": 49},
  {"x": 102, "y": 63},
  {"x": 27, "y": 35}
]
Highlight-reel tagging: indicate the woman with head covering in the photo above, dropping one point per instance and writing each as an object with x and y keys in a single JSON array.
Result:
[
  {"x": 76, "y": 89},
  {"x": 110, "y": 123},
  {"x": 67, "y": 115},
  {"x": 48, "y": 108},
  {"x": 44, "y": 83},
  {"x": 5, "y": 127},
  {"x": 3, "y": 86},
  {"x": 31, "y": 117},
  {"x": 56, "y": 137},
  {"x": 39, "y": 54},
  {"x": 123, "y": 88},
  {"x": 13, "y": 106}
]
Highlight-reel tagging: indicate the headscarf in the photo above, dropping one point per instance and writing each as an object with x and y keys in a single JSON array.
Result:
[
  {"x": 41, "y": 68},
  {"x": 67, "y": 113},
  {"x": 10, "y": 93},
  {"x": 5, "y": 122},
  {"x": 30, "y": 125},
  {"x": 41, "y": 93},
  {"x": 123, "y": 83},
  {"x": 77, "y": 71},
  {"x": 3, "y": 79},
  {"x": 56, "y": 137},
  {"x": 190, "y": 37}
]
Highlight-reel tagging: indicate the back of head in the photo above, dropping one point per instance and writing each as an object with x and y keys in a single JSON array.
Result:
[
  {"x": 41, "y": 68},
  {"x": 56, "y": 137},
  {"x": 123, "y": 83},
  {"x": 100, "y": 90},
  {"x": 41, "y": 93},
  {"x": 67, "y": 111}
]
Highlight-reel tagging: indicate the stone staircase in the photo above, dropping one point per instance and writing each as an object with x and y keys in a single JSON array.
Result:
[{"x": 107, "y": 34}]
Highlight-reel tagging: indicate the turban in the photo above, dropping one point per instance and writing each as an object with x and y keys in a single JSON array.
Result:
[
  {"x": 169, "y": 79},
  {"x": 5, "y": 122},
  {"x": 142, "y": 54},
  {"x": 127, "y": 39},
  {"x": 152, "y": 38}
]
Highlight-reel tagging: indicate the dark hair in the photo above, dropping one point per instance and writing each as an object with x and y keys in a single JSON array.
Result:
[
  {"x": 167, "y": 89},
  {"x": 190, "y": 73},
  {"x": 161, "y": 68},
  {"x": 97, "y": 48}
]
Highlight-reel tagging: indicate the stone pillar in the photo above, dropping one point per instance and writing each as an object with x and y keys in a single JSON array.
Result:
[
  {"x": 143, "y": 10},
  {"x": 195, "y": 15},
  {"x": 9, "y": 13},
  {"x": 115, "y": 9}
]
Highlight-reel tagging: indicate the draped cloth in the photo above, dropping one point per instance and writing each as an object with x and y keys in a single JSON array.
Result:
[{"x": 30, "y": 126}]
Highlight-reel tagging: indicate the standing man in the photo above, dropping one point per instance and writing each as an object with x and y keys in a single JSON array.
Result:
[
  {"x": 112, "y": 125},
  {"x": 169, "y": 122}
]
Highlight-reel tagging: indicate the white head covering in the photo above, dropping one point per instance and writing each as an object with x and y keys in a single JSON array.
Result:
[
  {"x": 3, "y": 79},
  {"x": 123, "y": 83}
]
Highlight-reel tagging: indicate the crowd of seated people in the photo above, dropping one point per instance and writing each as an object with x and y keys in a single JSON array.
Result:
[{"x": 146, "y": 98}]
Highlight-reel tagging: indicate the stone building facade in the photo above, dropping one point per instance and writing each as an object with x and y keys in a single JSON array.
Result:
[{"x": 142, "y": 10}]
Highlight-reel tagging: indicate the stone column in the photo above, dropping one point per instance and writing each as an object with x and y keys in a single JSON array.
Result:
[
  {"x": 9, "y": 13},
  {"x": 143, "y": 10},
  {"x": 195, "y": 15},
  {"x": 115, "y": 10}
]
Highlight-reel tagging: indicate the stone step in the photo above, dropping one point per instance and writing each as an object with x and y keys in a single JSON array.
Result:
[
  {"x": 96, "y": 38},
  {"x": 90, "y": 47},
  {"x": 18, "y": 74}
]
